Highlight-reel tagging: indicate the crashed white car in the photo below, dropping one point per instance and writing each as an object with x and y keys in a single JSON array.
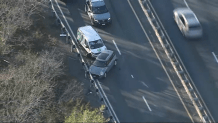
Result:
[{"x": 89, "y": 39}]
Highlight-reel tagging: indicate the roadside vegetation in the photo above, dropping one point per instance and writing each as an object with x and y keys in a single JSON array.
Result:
[{"x": 34, "y": 83}]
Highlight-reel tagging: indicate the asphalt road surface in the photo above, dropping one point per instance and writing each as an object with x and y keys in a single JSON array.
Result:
[
  {"x": 138, "y": 88},
  {"x": 196, "y": 54}
]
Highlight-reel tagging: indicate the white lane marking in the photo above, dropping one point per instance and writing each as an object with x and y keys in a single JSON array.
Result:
[
  {"x": 144, "y": 84},
  {"x": 158, "y": 55},
  {"x": 186, "y": 3},
  {"x": 214, "y": 55},
  {"x": 108, "y": 101},
  {"x": 132, "y": 76},
  {"x": 146, "y": 103},
  {"x": 116, "y": 47},
  {"x": 97, "y": 80}
]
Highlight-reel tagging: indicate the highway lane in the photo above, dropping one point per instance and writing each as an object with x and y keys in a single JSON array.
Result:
[
  {"x": 196, "y": 55},
  {"x": 138, "y": 59}
]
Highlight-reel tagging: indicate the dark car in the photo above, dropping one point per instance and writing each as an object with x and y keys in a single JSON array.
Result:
[
  {"x": 98, "y": 12},
  {"x": 103, "y": 63}
]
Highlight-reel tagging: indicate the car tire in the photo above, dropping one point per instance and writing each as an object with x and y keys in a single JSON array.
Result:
[
  {"x": 89, "y": 55},
  {"x": 115, "y": 63}
]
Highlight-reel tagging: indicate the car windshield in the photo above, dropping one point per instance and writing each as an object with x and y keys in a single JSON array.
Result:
[
  {"x": 190, "y": 15},
  {"x": 98, "y": 63},
  {"x": 194, "y": 26},
  {"x": 96, "y": 44},
  {"x": 99, "y": 9}
]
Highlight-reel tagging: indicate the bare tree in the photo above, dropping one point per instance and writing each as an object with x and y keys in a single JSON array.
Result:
[
  {"x": 26, "y": 88},
  {"x": 29, "y": 86},
  {"x": 14, "y": 15}
]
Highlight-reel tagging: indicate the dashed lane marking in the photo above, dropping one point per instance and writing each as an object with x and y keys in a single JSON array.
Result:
[
  {"x": 186, "y": 3},
  {"x": 146, "y": 103},
  {"x": 116, "y": 47},
  {"x": 214, "y": 55},
  {"x": 144, "y": 84},
  {"x": 132, "y": 76}
]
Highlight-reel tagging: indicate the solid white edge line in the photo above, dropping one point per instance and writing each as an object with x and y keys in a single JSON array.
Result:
[
  {"x": 108, "y": 101},
  {"x": 66, "y": 20},
  {"x": 97, "y": 80},
  {"x": 144, "y": 84},
  {"x": 161, "y": 61},
  {"x": 116, "y": 47},
  {"x": 214, "y": 55},
  {"x": 186, "y": 3},
  {"x": 146, "y": 103}
]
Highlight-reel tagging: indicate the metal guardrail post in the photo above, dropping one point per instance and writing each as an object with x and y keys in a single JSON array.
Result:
[{"x": 57, "y": 22}]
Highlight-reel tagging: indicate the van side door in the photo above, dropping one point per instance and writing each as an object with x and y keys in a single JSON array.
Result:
[
  {"x": 86, "y": 46},
  {"x": 82, "y": 42}
]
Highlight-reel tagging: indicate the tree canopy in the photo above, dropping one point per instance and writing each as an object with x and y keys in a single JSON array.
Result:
[{"x": 83, "y": 113}]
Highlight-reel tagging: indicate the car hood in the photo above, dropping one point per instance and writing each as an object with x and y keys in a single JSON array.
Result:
[
  {"x": 98, "y": 50},
  {"x": 96, "y": 70},
  {"x": 101, "y": 16}
]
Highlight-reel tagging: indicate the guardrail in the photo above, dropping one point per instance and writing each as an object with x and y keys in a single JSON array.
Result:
[
  {"x": 99, "y": 91},
  {"x": 176, "y": 62}
]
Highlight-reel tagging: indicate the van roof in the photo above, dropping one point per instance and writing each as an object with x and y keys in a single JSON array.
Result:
[{"x": 90, "y": 33}]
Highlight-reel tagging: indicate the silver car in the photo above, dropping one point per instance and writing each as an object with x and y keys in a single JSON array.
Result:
[
  {"x": 98, "y": 12},
  {"x": 103, "y": 63},
  {"x": 188, "y": 22}
]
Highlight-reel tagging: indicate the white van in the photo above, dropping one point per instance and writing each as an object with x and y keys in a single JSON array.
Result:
[{"x": 89, "y": 39}]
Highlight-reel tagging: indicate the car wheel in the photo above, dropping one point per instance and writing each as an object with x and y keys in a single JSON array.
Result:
[
  {"x": 115, "y": 62},
  {"x": 89, "y": 55}
]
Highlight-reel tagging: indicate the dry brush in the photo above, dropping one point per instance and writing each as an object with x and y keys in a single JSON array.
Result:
[{"x": 26, "y": 88}]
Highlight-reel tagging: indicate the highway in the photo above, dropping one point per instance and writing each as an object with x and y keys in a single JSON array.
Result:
[
  {"x": 138, "y": 88},
  {"x": 196, "y": 54}
]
